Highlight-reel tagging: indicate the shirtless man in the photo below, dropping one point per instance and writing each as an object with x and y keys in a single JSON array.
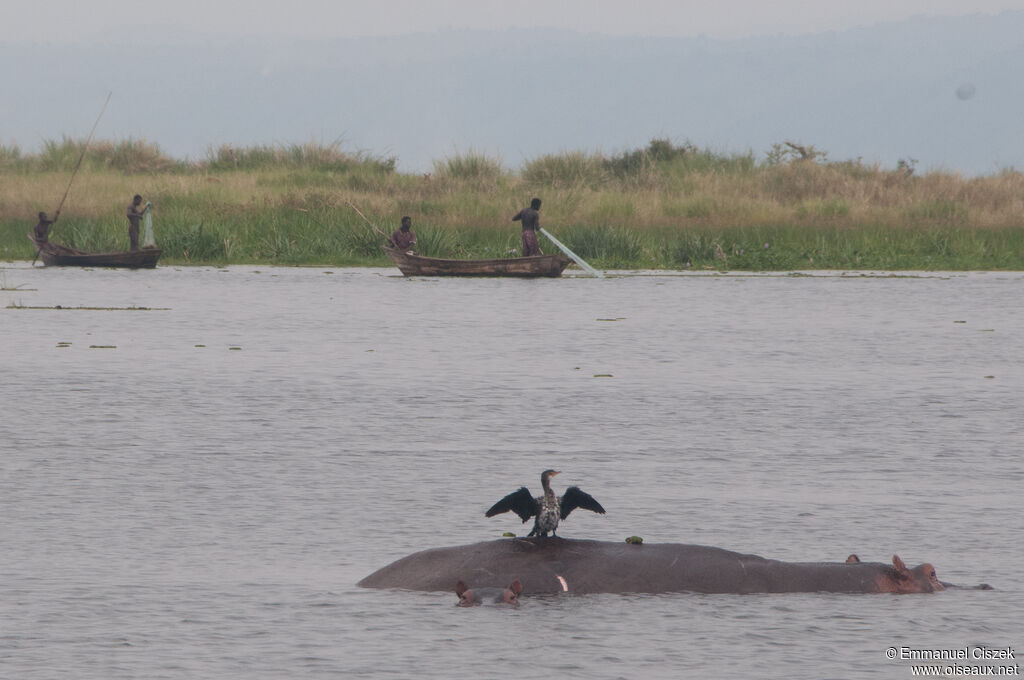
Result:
[
  {"x": 135, "y": 213},
  {"x": 530, "y": 218},
  {"x": 403, "y": 238}
]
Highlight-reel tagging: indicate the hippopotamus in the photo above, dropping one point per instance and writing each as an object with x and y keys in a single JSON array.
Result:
[
  {"x": 471, "y": 597},
  {"x": 552, "y": 565}
]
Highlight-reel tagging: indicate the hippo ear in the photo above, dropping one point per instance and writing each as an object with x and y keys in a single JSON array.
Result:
[
  {"x": 853, "y": 559},
  {"x": 460, "y": 588},
  {"x": 516, "y": 587},
  {"x": 901, "y": 569}
]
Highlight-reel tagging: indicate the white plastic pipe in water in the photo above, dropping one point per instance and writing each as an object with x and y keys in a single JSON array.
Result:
[{"x": 576, "y": 258}]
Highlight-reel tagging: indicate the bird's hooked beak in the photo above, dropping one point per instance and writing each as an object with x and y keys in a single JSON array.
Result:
[{"x": 555, "y": 472}]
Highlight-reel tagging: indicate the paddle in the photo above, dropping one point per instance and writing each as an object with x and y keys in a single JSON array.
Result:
[{"x": 576, "y": 258}]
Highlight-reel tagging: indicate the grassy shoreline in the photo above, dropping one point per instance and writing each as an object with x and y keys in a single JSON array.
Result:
[{"x": 662, "y": 207}]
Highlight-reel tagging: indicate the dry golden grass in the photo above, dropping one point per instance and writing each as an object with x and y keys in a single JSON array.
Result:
[
  {"x": 665, "y": 206},
  {"x": 796, "y": 193}
]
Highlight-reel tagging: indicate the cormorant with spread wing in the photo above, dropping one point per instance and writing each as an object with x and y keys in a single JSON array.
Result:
[{"x": 547, "y": 509}]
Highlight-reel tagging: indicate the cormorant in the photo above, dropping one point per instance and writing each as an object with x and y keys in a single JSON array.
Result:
[{"x": 547, "y": 509}]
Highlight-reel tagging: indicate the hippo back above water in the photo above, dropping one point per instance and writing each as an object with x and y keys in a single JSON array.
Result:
[{"x": 550, "y": 565}]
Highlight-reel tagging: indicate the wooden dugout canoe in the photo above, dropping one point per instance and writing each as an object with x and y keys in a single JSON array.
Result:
[
  {"x": 55, "y": 255},
  {"x": 533, "y": 266}
]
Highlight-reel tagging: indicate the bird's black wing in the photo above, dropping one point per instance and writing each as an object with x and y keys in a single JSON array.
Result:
[
  {"x": 575, "y": 498},
  {"x": 520, "y": 502}
]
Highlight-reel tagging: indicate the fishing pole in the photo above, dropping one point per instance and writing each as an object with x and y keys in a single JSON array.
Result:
[
  {"x": 74, "y": 172},
  {"x": 81, "y": 156},
  {"x": 359, "y": 212}
]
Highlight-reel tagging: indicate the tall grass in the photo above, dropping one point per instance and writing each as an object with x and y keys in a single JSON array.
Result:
[
  {"x": 666, "y": 205},
  {"x": 10, "y": 158},
  {"x": 663, "y": 160},
  {"x": 574, "y": 169},
  {"x": 478, "y": 170},
  {"x": 126, "y": 156},
  {"x": 612, "y": 247},
  {"x": 309, "y": 156}
]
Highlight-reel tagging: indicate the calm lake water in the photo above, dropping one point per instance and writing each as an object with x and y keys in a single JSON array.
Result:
[{"x": 192, "y": 489}]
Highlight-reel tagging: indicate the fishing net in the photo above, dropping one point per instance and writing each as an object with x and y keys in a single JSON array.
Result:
[{"x": 148, "y": 240}]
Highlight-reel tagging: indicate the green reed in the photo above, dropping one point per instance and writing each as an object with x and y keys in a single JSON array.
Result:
[
  {"x": 334, "y": 238},
  {"x": 667, "y": 205}
]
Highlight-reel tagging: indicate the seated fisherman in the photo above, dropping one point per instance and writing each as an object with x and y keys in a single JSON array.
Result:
[
  {"x": 41, "y": 232},
  {"x": 403, "y": 238}
]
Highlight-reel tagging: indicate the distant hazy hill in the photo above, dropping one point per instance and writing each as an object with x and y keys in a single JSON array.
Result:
[{"x": 883, "y": 93}]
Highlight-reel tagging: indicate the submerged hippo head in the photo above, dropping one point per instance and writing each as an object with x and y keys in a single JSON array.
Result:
[
  {"x": 470, "y": 598},
  {"x": 900, "y": 579}
]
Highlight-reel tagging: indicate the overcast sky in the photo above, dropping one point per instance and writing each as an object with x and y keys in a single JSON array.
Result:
[
  {"x": 111, "y": 21},
  {"x": 192, "y": 91}
]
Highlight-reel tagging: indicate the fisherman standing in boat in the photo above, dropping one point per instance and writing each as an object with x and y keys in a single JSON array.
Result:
[
  {"x": 403, "y": 239},
  {"x": 530, "y": 218},
  {"x": 41, "y": 232},
  {"x": 135, "y": 213}
]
